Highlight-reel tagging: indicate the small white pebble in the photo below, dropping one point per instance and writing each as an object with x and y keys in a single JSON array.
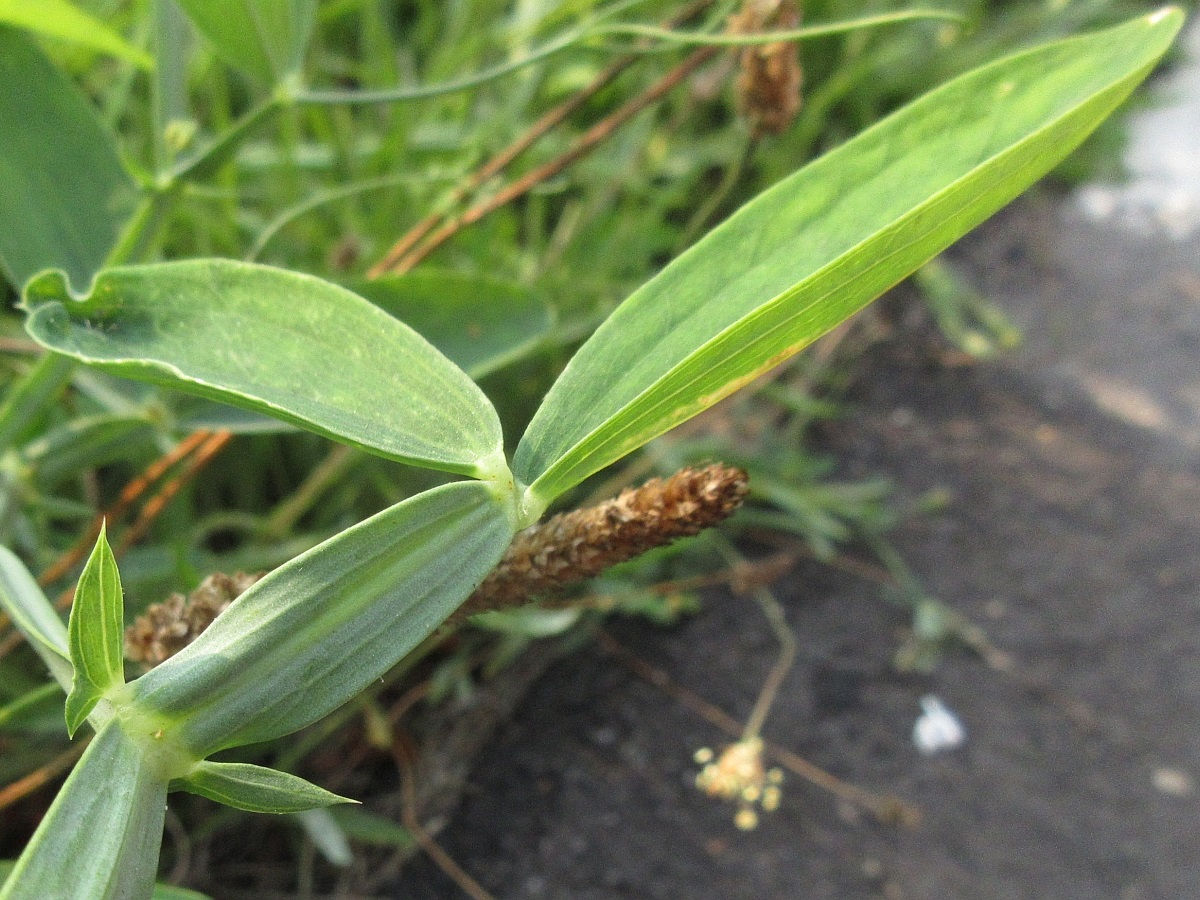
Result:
[
  {"x": 937, "y": 729},
  {"x": 1175, "y": 782}
]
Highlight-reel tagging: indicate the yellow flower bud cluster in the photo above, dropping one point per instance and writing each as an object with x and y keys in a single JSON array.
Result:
[{"x": 739, "y": 775}]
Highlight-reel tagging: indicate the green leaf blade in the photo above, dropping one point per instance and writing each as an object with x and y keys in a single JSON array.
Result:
[
  {"x": 264, "y": 38},
  {"x": 35, "y": 617},
  {"x": 481, "y": 324},
  {"x": 316, "y": 631},
  {"x": 256, "y": 788},
  {"x": 281, "y": 343},
  {"x": 95, "y": 633},
  {"x": 65, "y": 21},
  {"x": 101, "y": 836},
  {"x": 64, "y": 194},
  {"x": 808, "y": 253}
]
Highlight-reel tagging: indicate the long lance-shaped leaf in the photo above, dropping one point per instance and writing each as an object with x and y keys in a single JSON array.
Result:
[
  {"x": 816, "y": 248},
  {"x": 255, "y": 788},
  {"x": 286, "y": 344},
  {"x": 36, "y": 618},
  {"x": 94, "y": 633},
  {"x": 101, "y": 837},
  {"x": 265, "y": 38},
  {"x": 316, "y": 631},
  {"x": 64, "y": 195}
]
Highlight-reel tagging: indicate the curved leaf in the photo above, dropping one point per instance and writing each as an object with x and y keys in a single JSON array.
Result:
[
  {"x": 820, "y": 245},
  {"x": 286, "y": 344},
  {"x": 33, "y": 615},
  {"x": 481, "y": 324},
  {"x": 316, "y": 631},
  {"x": 64, "y": 195},
  {"x": 101, "y": 837}
]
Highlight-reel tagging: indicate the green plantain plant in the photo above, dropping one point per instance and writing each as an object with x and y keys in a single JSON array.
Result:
[{"x": 785, "y": 269}]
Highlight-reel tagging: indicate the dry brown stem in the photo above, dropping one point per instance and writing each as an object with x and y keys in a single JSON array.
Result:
[
  {"x": 887, "y": 808},
  {"x": 401, "y": 257},
  {"x": 583, "y": 145}
]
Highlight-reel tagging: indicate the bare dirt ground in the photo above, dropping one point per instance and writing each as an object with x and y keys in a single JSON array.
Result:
[{"x": 1071, "y": 535}]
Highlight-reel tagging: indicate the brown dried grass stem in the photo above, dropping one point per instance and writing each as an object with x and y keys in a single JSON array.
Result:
[
  {"x": 886, "y": 808},
  {"x": 39, "y": 777},
  {"x": 203, "y": 444},
  {"x": 583, "y": 145},
  {"x": 153, "y": 507},
  {"x": 394, "y": 262},
  {"x": 403, "y": 753},
  {"x": 128, "y": 496}
]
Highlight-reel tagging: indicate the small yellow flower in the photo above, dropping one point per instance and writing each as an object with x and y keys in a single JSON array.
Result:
[
  {"x": 739, "y": 775},
  {"x": 746, "y": 819}
]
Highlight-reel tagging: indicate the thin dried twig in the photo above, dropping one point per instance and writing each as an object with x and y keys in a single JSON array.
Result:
[
  {"x": 402, "y": 753},
  {"x": 394, "y": 260},
  {"x": 886, "y": 808},
  {"x": 128, "y": 496},
  {"x": 583, "y": 145},
  {"x": 204, "y": 443},
  {"x": 213, "y": 445},
  {"x": 39, "y": 777}
]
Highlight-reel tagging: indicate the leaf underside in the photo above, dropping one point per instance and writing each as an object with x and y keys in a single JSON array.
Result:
[{"x": 276, "y": 342}]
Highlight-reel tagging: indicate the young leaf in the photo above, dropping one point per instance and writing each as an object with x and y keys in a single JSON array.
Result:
[
  {"x": 62, "y": 20},
  {"x": 817, "y": 247},
  {"x": 33, "y": 615},
  {"x": 101, "y": 836},
  {"x": 255, "y": 788},
  {"x": 94, "y": 633},
  {"x": 481, "y": 324},
  {"x": 316, "y": 631},
  {"x": 264, "y": 38},
  {"x": 282, "y": 343},
  {"x": 64, "y": 195}
]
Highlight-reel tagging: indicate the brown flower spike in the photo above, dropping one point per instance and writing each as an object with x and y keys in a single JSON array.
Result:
[
  {"x": 770, "y": 76},
  {"x": 166, "y": 628},
  {"x": 583, "y": 543},
  {"x": 543, "y": 558}
]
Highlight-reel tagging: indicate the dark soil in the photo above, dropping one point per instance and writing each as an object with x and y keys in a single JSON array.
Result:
[{"x": 1070, "y": 536}]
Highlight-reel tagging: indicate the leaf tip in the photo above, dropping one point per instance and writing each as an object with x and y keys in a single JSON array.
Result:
[
  {"x": 80, "y": 702},
  {"x": 1166, "y": 12}
]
